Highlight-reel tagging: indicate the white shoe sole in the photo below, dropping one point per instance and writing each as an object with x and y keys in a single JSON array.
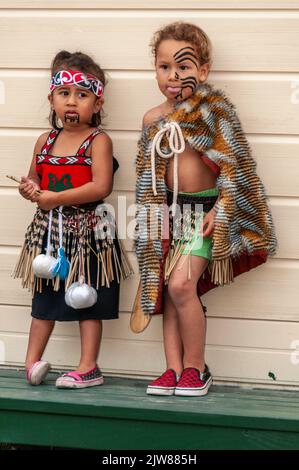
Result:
[
  {"x": 193, "y": 392},
  {"x": 160, "y": 391},
  {"x": 38, "y": 372},
  {"x": 64, "y": 382}
]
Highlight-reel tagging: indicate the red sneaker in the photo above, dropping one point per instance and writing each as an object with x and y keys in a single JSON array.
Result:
[
  {"x": 194, "y": 383},
  {"x": 163, "y": 385}
]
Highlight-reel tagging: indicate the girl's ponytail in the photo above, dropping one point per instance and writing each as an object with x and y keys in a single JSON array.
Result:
[{"x": 59, "y": 59}]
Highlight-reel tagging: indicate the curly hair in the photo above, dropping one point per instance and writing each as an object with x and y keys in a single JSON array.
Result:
[
  {"x": 188, "y": 32},
  {"x": 84, "y": 63}
]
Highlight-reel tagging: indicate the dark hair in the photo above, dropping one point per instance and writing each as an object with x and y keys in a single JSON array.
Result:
[
  {"x": 84, "y": 63},
  {"x": 188, "y": 32}
]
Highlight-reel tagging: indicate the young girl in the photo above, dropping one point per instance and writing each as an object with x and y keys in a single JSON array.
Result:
[
  {"x": 194, "y": 157},
  {"x": 70, "y": 175}
]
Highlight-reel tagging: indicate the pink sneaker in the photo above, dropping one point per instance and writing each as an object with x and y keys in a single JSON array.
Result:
[
  {"x": 194, "y": 383},
  {"x": 163, "y": 385},
  {"x": 37, "y": 372},
  {"x": 75, "y": 380}
]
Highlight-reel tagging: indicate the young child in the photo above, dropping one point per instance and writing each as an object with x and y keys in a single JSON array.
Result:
[
  {"x": 70, "y": 175},
  {"x": 193, "y": 154}
]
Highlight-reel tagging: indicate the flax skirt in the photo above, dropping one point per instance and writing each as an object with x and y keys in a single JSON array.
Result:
[{"x": 50, "y": 304}]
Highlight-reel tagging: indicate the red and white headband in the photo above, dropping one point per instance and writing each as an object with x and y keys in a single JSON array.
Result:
[{"x": 80, "y": 79}]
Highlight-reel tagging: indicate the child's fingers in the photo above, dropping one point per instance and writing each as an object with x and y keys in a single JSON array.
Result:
[
  {"x": 209, "y": 229},
  {"x": 31, "y": 192},
  {"x": 34, "y": 198},
  {"x": 27, "y": 182},
  {"x": 22, "y": 191},
  {"x": 28, "y": 188},
  {"x": 202, "y": 225},
  {"x": 206, "y": 226},
  {"x": 26, "y": 185},
  {"x": 27, "y": 192},
  {"x": 26, "y": 179}
]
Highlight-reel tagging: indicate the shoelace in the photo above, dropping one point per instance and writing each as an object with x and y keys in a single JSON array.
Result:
[{"x": 177, "y": 146}]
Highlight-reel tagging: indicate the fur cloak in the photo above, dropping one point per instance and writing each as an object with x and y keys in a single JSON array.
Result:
[{"x": 244, "y": 234}]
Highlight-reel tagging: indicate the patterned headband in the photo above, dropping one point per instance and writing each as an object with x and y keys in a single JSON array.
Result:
[{"x": 80, "y": 79}]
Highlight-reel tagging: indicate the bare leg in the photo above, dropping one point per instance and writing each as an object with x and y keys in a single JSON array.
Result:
[
  {"x": 91, "y": 335},
  {"x": 173, "y": 345},
  {"x": 183, "y": 293},
  {"x": 40, "y": 331}
]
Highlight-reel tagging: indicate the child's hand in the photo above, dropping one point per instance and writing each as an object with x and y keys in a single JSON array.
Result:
[
  {"x": 47, "y": 200},
  {"x": 207, "y": 227},
  {"x": 28, "y": 188}
]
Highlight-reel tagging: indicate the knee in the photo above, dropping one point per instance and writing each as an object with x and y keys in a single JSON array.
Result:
[{"x": 181, "y": 290}]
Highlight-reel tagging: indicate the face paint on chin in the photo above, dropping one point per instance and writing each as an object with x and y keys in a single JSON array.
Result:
[
  {"x": 71, "y": 117},
  {"x": 187, "y": 82}
]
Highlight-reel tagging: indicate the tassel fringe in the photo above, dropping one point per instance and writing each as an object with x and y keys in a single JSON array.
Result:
[
  {"x": 112, "y": 264},
  {"x": 222, "y": 271}
]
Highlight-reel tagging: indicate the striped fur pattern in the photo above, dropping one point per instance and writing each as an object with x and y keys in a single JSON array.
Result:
[{"x": 243, "y": 223}]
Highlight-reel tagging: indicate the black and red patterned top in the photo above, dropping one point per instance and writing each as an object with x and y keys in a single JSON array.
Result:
[{"x": 60, "y": 173}]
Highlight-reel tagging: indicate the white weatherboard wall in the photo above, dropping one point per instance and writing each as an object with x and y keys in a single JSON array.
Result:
[{"x": 253, "y": 327}]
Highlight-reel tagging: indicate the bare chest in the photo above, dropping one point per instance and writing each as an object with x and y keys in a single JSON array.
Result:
[{"x": 193, "y": 174}]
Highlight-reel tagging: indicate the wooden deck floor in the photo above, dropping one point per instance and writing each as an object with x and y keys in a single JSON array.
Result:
[{"x": 119, "y": 415}]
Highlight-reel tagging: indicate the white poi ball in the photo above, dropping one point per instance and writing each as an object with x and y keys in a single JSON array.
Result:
[
  {"x": 80, "y": 295},
  {"x": 42, "y": 266}
]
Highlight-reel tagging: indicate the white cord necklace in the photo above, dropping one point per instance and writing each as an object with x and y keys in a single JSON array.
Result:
[{"x": 177, "y": 146}]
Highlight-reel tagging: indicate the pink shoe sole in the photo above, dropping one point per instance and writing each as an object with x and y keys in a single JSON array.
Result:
[
  {"x": 37, "y": 372},
  {"x": 75, "y": 380}
]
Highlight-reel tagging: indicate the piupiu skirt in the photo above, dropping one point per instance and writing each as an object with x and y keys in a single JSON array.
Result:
[
  {"x": 185, "y": 225},
  {"x": 89, "y": 238},
  {"x": 50, "y": 304},
  {"x": 198, "y": 245}
]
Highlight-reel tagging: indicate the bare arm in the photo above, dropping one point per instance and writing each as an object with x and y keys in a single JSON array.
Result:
[{"x": 29, "y": 184}]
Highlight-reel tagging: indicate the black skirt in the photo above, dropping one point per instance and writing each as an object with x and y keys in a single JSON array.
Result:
[{"x": 50, "y": 304}]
